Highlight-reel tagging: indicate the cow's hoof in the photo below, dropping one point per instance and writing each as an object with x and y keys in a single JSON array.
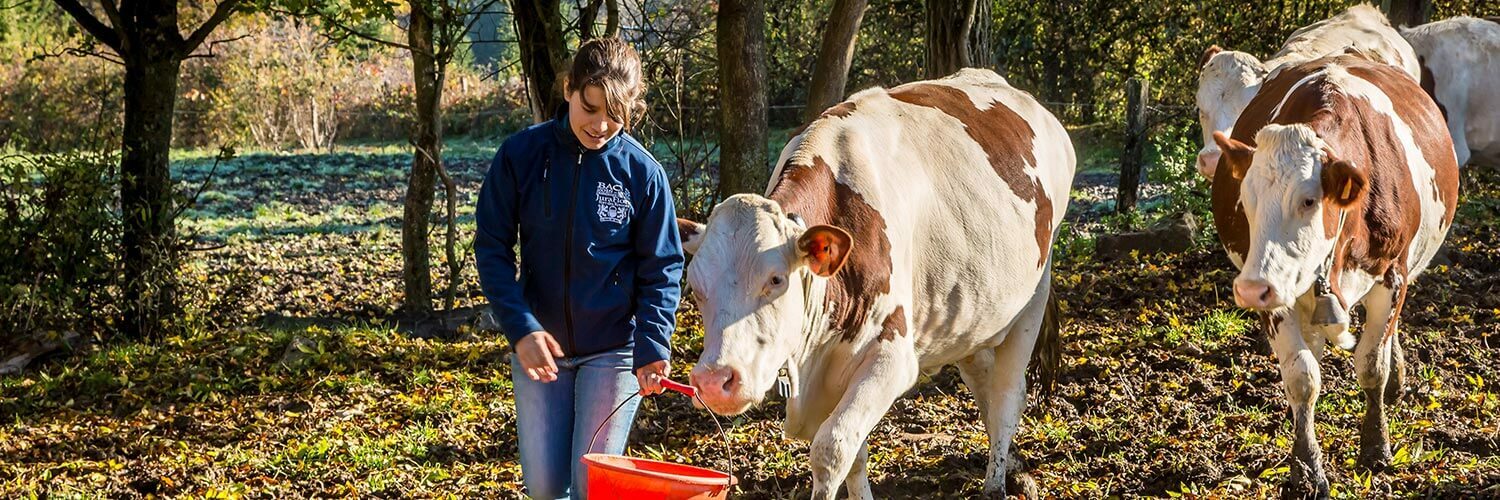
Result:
[
  {"x": 1299, "y": 490},
  {"x": 1306, "y": 481},
  {"x": 1021, "y": 484},
  {"x": 1375, "y": 458}
]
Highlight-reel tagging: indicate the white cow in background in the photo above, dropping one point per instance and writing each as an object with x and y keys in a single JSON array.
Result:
[
  {"x": 1228, "y": 79},
  {"x": 1460, "y": 60}
]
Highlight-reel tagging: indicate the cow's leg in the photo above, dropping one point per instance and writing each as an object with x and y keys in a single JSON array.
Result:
[
  {"x": 857, "y": 483},
  {"x": 889, "y": 368},
  {"x": 998, "y": 380},
  {"x": 1457, "y": 128},
  {"x": 975, "y": 370},
  {"x": 1372, "y": 364},
  {"x": 1302, "y": 379},
  {"x": 1395, "y": 382}
]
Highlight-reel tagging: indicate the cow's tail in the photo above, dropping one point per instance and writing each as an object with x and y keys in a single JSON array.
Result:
[{"x": 1046, "y": 357}]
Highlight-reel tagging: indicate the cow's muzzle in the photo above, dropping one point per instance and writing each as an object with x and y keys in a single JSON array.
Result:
[
  {"x": 1208, "y": 162},
  {"x": 1256, "y": 294},
  {"x": 721, "y": 388}
]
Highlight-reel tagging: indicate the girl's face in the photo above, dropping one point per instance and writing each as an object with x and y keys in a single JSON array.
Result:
[{"x": 588, "y": 118}]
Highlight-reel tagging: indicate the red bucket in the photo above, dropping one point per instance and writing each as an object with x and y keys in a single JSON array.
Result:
[{"x": 615, "y": 476}]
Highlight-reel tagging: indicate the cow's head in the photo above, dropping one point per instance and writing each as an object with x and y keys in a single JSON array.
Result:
[
  {"x": 754, "y": 271},
  {"x": 1226, "y": 83},
  {"x": 1293, "y": 189}
]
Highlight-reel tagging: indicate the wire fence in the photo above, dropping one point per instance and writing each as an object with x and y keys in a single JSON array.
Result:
[{"x": 1148, "y": 117}]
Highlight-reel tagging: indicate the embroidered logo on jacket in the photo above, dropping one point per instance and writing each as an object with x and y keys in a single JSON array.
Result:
[{"x": 614, "y": 203}]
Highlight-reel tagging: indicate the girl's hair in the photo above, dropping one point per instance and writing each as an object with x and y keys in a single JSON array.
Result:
[{"x": 614, "y": 66}]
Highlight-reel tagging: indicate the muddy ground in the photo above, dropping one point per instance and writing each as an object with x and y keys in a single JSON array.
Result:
[{"x": 1166, "y": 388}]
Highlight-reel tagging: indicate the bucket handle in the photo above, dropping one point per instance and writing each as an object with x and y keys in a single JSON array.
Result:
[{"x": 686, "y": 390}]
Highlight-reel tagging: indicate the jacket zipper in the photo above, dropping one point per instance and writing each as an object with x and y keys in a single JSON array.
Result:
[{"x": 568, "y": 258}]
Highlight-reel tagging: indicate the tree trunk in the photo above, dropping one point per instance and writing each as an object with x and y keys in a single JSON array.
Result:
[
  {"x": 742, "y": 97},
  {"x": 427, "y": 74},
  {"x": 543, "y": 53},
  {"x": 152, "y": 48},
  {"x": 948, "y": 24},
  {"x": 831, "y": 72},
  {"x": 146, "y": 193},
  {"x": 587, "y": 15},
  {"x": 611, "y": 17},
  {"x": 1407, "y": 12},
  {"x": 982, "y": 52},
  {"x": 152, "y": 65}
]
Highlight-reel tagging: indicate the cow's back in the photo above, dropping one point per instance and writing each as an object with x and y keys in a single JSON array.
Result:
[
  {"x": 968, "y": 178},
  {"x": 1362, "y": 27}
]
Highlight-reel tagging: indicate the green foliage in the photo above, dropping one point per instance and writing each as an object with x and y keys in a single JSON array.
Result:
[
  {"x": 1208, "y": 332},
  {"x": 58, "y": 227},
  {"x": 888, "y": 51},
  {"x": 1083, "y": 51},
  {"x": 50, "y": 100}
]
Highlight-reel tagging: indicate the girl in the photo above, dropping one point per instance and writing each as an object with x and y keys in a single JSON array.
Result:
[{"x": 591, "y": 312}]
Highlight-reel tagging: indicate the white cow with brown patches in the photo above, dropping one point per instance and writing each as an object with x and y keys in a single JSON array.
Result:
[
  {"x": 1228, "y": 79},
  {"x": 907, "y": 229},
  {"x": 1460, "y": 60},
  {"x": 1342, "y": 168}
]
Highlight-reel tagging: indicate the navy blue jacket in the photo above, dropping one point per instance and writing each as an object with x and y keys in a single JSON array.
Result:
[{"x": 600, "y": 258}]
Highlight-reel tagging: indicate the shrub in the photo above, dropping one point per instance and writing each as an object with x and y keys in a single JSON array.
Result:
[{"x": 58, "y": 225}]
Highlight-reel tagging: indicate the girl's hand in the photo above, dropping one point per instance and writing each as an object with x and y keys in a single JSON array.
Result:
[
  {"x": 537, "y": 352},
  {"x": 650, "y": 377}
]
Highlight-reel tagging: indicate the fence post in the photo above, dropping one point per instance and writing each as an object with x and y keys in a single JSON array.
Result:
[{"x": 1137, "y": 94}]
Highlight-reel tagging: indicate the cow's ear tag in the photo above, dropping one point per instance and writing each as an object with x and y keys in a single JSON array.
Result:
[
  {"x": 784, "y": 384},
  {"x": 825, "y": 248}
]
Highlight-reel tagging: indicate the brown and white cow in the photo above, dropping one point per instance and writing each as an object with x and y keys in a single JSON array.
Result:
[
  {"x": 1228, "y": 79},
  {"x": 907, "y": 229},
  {"x": 1460, "y": 59},
  {"x": 1339, "y": 167}
]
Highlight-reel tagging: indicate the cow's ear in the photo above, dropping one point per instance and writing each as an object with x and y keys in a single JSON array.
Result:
[
  {"x": 1237, "y": 154},
  {"x": 691, "y": 234},
  {"x": 825, "y": 249},
  {"x": 1212, "y": 51},
  {"x": 1344, "y": 183}
]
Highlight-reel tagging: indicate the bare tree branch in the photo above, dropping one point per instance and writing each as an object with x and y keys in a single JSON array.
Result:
[
  {"x": 348, "y": 31},
  {"x": 108, "y": 35},
  {"x": 112, "y": 12},
  {"x": 222, "y": 12},
  {"x": 474, "y": 14},
  {"x": 78, "y": 52},
  {"x": 214, "y": 43}
]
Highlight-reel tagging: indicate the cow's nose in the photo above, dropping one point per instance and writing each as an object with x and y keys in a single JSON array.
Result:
[
  {"x": 717, "y": 382},
  {"x": 1208, "y": 162},
  {"x": 1254, "y": 293}
]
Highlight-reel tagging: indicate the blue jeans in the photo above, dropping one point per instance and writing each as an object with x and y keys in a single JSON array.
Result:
[{"x": 555, "y": 420}]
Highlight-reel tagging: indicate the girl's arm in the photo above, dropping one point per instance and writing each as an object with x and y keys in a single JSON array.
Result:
[
  {"x": 658, "y": 271},
  {"x": 494, "y": 250}
]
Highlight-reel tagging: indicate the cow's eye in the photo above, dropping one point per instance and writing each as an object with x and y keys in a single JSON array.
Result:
[
  {"x": 1308, "y": 203},
  {"x": 777, "y": 280}
]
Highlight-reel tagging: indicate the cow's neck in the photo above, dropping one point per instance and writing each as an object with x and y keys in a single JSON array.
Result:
[
  {"x": 807, "y": 405},
  {"x": 817, "y": 331}
]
